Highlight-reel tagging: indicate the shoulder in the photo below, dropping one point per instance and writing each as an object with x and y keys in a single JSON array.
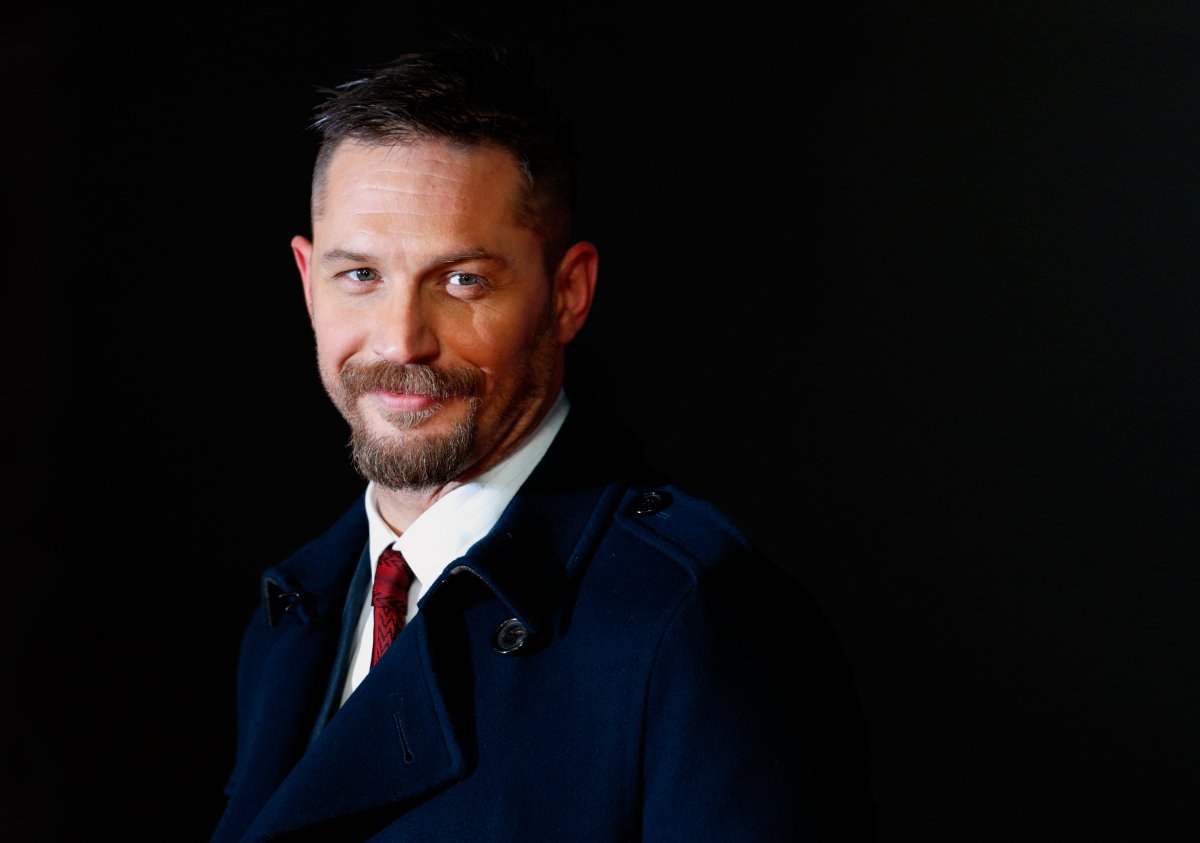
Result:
[
  {"x": 694, "y": 533},
  {"x": 686, "y": 549},
  {"x": 694, "y": 566},
  {"x": 647, "y": 527}
]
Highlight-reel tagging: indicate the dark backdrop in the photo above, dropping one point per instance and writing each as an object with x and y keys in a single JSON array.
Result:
[{"x": 911, "y": 289}]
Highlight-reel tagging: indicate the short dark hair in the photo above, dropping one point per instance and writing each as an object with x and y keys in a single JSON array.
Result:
[{"x": 470, "y": 93}]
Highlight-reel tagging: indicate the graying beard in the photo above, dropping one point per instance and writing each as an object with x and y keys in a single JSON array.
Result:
[{"x": 413, "y": 466}]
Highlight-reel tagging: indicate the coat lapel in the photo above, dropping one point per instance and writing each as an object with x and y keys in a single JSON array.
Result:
[{"x": 392, "y": 741}]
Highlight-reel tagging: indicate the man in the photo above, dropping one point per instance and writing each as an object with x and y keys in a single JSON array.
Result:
[{"x": 575, "y": 649}]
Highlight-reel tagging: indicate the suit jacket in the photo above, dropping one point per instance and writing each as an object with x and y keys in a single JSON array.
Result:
[{"x": 613, "y": 662}]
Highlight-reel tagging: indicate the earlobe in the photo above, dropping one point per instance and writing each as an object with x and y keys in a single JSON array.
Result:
[
  {"x": 574, "y": 287},
  {"x": 302, "y": 251}
]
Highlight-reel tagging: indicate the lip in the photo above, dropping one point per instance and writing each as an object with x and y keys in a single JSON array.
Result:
[{"x": 405, "y": 401}]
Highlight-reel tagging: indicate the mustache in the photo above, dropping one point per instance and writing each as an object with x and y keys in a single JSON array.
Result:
[{"x": 411, "y": 379}]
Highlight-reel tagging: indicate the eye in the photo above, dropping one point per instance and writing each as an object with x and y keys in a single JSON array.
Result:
[
  {"x": 363, "y": 276},
  {"x": 464, "y": 279}
]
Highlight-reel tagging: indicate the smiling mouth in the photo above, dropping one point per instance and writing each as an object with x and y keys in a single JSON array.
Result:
[
  {"x": 417, "y": 385},
  {"x": 411, "y": 402}
]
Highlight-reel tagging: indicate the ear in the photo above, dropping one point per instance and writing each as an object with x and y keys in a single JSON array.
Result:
[
  {"x": 574, "y": 286},
  {"x": 302, "y": 251}
]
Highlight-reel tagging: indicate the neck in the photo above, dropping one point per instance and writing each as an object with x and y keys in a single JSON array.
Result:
[{"x": 401, "y": 507}]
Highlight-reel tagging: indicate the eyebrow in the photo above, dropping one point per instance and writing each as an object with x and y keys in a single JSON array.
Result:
[
  {"x": 465, "y": 255},
  {"x": 344, "y": 255},
  {"x": 349, "y": 256}
]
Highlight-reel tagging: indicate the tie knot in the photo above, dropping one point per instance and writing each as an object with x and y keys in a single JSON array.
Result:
[{"x": 392, "y": 580}]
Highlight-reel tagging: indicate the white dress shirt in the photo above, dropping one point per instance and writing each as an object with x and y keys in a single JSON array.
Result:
[{"x": 447, "y": 529}]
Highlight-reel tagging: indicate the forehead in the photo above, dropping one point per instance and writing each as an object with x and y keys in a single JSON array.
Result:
[{"x": 442, "y": 177}]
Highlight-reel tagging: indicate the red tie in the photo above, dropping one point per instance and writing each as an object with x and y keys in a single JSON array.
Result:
[{"x": 389, "y": 596}]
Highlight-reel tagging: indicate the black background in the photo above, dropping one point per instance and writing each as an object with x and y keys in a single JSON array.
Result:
[{"x": 912, "y": 289}]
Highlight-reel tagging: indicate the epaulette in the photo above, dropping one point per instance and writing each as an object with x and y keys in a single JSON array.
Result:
[{"x": 692, "y": 529}]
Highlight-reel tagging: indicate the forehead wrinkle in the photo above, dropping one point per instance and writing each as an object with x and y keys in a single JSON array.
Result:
[
  {"x": 403, "y": 201},
  {"x": 423, "y": 173},
  {"x": 446, "y": 167}
]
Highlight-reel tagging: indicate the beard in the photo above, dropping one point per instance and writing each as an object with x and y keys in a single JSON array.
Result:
[{"x": 407, "y": 460}]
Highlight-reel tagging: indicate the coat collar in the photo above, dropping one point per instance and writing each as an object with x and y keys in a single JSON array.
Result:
[
  {"x": 529, "y": 557},
  {"x": 313, "y": 581}
]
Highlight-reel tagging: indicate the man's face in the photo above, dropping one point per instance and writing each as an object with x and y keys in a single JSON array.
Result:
[{"x": 439, "y": 337}]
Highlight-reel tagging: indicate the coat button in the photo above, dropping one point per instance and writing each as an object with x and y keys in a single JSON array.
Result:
[
  {"x": 509, "y": 637},
  {"x": 648, "y": 503}
]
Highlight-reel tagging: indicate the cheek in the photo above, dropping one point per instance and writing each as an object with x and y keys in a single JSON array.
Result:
[
  {"x": 500, "y": 347},
  {"x": 335, "y": 341}
]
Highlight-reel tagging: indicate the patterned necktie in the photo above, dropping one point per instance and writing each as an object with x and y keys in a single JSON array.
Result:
[{"x": 389, "y": 596}]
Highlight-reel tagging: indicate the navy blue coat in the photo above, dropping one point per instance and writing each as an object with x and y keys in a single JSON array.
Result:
[{"x": 613, "y": 662}]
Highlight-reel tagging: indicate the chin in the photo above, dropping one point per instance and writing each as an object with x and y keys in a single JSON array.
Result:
[{"x": 413, "y": 462}]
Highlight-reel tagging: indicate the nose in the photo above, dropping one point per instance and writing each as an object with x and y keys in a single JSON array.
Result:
[{"x": 402, "y": 329}]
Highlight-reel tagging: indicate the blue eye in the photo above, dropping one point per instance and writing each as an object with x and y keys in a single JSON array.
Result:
[
  {"x": 364, "y": 276},
  {"x": 464, "y": 279}
]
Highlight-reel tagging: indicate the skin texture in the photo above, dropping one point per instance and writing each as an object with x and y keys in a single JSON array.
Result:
[{"x": 440, "y": 332}]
